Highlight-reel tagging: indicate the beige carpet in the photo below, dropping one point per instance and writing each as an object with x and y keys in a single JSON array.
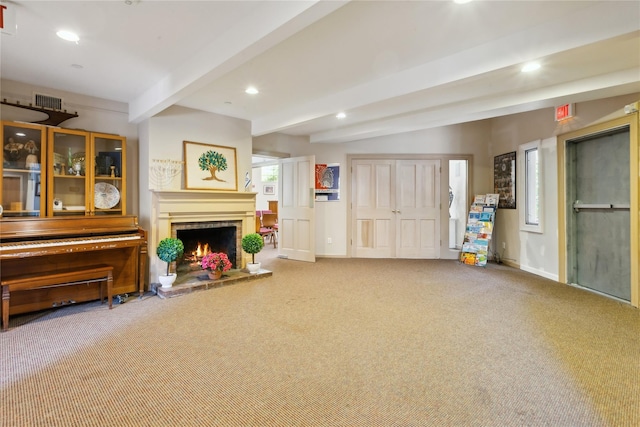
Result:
[{"x": 341, "y": 342}]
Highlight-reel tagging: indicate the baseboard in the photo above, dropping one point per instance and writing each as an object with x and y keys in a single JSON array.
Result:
[
  {"x": 532, "y": 270},
  {"x": 537, "y": 272},
  {"x": 510, "y": 263}
]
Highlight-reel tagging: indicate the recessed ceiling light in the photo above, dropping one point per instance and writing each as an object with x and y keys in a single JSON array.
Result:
[
  {"x": 341, "y": 115},
  {"x": 462, "y": 1},
  {"x": 251, "y": 90},
  {"x": 530, "y": 66},
  {"x": 68, "y": 36}
]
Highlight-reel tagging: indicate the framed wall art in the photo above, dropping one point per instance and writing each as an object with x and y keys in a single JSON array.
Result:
[
  {"x": 327, "y": 182},
  {"x": 269, "y": 189},
  {"x": 209, "y": 167},
  {"x": 504, "y": 179}
]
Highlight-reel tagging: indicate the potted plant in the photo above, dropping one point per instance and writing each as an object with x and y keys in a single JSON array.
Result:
[
  {"x": 252, "y": 244},
  {"x": 169, "y": 250},
  {"x": 215, "y": 263}
]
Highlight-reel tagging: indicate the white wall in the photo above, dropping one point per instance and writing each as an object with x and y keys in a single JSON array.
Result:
[{"x": 539, "y": 251}]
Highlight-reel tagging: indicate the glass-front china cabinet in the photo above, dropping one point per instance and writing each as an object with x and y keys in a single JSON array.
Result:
[
  {"x": 53, "y": 171},
  {"x": 23, "y": 163}
]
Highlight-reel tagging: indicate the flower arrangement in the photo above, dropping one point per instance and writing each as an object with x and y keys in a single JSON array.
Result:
[{"x": 216, "y": 261}]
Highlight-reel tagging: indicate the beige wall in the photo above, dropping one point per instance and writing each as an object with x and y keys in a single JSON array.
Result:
[
  {"x": 94, "y": 114},
  {"x": 485, "y": 139},
  {"x": 162, "y": 137},
  {"x": 533, "y": 252},
  {"x": 332, "y": 217}
]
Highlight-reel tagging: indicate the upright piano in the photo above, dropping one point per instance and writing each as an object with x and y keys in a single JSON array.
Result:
[{"x": 41, "y": 244}]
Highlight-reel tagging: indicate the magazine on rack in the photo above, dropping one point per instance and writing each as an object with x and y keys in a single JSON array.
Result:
[{"x": 477, "y": 236}]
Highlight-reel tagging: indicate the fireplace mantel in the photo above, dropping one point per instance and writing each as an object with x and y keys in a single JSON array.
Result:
[{"x": 177, "y": 206}]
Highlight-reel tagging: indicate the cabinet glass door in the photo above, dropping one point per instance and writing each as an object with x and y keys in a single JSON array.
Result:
[
  {"x": 23, "y": 159},
  {"x": 108, "y": 189},
  {"x": 68, "y": 166}
]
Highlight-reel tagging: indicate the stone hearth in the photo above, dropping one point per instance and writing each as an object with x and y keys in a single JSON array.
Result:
[{"x": 197, "y": 280}]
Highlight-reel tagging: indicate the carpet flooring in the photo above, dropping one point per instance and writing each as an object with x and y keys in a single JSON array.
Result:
[{"x": 341, "y": 342}]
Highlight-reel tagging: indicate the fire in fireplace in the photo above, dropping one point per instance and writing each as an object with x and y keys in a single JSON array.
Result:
[{"x": 201, "y": 238}]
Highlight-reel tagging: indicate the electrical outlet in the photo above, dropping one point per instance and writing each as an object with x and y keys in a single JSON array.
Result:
[
  {"x": 329, "y": 240},
  {"x": 504, "y": 245}
]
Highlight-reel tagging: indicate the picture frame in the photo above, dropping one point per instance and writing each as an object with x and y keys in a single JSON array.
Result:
[
  {"x": 327, "y": 182},
  {"x": 269, "y": 189},
  {"x": 209, "y": 167},
  {"x": 504, "y": 179}
]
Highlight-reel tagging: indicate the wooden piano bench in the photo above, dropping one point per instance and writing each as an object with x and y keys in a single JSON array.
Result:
[{"x": 63, "y": 277}]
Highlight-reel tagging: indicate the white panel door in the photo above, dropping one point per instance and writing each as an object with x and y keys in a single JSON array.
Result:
[
  {"x": 396, "y": 208},
  {"x": 418, "y": 209},
  {"x": 373, "y": 220},
  {"x": 296, "y": 214}
]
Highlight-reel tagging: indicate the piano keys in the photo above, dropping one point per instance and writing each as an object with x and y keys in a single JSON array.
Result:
[{"x": 41, "y": 244}]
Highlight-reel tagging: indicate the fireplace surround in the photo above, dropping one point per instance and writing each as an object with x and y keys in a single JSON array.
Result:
[{"x": 188, "y": 209}]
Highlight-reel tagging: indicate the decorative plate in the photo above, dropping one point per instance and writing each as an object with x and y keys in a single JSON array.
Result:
[{"x": 106, "y": 195}]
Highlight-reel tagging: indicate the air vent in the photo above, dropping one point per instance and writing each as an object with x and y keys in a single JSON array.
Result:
[{"x": 46, "y": 101}]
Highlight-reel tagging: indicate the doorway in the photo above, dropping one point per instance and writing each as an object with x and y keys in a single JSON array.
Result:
[
  {"x": 598, "y": 219},
  {"x": 598, "y": 188},
  {"x": 264, "y": 181},
  {"x": 458, "y": 196}
]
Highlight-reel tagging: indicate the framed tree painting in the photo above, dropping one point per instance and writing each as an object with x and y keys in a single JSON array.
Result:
[
  {"x": 209, "y": 167},
  {"x": 504, "y": 179}
]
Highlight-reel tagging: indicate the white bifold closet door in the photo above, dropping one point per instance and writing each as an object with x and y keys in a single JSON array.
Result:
[{"x": 395, "y": 208}]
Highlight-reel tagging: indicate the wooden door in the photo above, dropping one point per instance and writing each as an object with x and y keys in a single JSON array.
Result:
[
  {"x": 273, "y": 206},
  {"x": 373, "y": 203},
  {"x": 296, "y": 213},
  {"x": 418, "y": 209},
  {"x": 395, "y": 208}
]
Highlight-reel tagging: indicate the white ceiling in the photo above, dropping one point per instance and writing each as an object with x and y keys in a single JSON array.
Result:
[{"x": 392, "y": 66}]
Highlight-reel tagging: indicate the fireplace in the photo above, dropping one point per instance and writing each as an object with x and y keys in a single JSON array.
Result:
[
  {"x": 209, "y": 236},
  {"x": 200, "y": 213}
]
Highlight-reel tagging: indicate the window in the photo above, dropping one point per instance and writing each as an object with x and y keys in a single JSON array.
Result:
[
  {"x": 269, "y": 173},
  {"x": 531, "y": 186},
  {"x": 532, "y": 182}
]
